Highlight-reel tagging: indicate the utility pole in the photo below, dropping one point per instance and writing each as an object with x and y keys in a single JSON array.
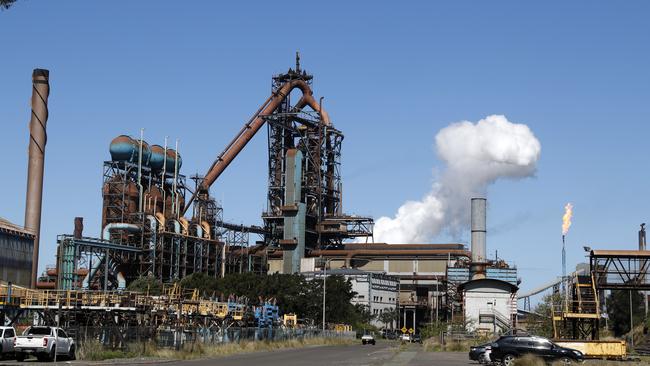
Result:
[{"x": 324, "y": 289}]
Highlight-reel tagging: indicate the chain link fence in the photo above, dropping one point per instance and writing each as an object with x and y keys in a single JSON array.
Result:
[{"x": 121, "y": 337}]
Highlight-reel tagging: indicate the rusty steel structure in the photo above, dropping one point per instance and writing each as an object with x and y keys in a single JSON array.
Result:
[
  {"x": 155, "y": 223},
  {"x": 37, "y": 142},
  {"x": 620, "y": 269},
  {"x": 304, "y": 200}
]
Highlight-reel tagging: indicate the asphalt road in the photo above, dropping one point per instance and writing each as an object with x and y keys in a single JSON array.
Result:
[{"x": 382, "y": 354}]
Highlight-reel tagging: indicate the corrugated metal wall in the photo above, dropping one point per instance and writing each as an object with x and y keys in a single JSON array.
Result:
[
  {"x": 373, "y": 266},
  {"x": 15, "y": 258},
  {"x": 432, "y": 265},
  {"x": 401, "y": 266}
]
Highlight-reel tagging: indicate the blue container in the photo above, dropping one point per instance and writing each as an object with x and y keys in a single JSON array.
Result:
[
  {"x": 157, "y": 157},
  {"x": 124, "y": 148},
  {"x": 171, "y": 159}
]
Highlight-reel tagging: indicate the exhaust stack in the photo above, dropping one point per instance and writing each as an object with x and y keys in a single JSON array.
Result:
[
  {"x": 642, "y": 241},
  {"x": 479, "y": 231},
  {"x": 37, "y": 141}
]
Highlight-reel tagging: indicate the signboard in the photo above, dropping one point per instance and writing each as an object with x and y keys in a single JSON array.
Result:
[
  {"x": 403, "y": 329},
  {"x": 411, "y": 330}
]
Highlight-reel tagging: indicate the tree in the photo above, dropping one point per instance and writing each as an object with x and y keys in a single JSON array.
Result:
[
  {"x": 540, "y": 322},
  {"x": 388, "y": 317},
  {"x": 148, "y": 285},
  {"x": 201, "y": 281},
  {"x": 618, "y": 310}
]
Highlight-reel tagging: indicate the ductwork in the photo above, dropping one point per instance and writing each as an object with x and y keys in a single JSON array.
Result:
[
  {"x": 397, "y": 252},
  {"x": 153, "y": 226},
  {"x": 199, "y": 231},
  {"x": 185, "y": 225},
  {"x": 206, "y": 230},
  {"x": 121, "y": 281},
  {"x": 106, "y": 233},
  {"x": 252, "y": 126},
  {"x": 161, "y": 221},
  {"x": 37, "y": 141},
  {"x": 93, "y": 270}
]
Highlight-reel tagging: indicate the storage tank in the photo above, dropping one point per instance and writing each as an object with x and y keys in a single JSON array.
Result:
[
  {"x": 124, "y": 148},
  {"x": 171, "y": 158},
  {"x": 155, "y": 198},
  {"x": 157, "y": 157}
]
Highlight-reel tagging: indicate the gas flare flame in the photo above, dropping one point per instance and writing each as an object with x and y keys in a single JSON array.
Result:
[{"x": 566, "y": 219}]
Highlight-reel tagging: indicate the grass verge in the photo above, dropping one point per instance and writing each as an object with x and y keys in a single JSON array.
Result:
[{"x": 94, "y": 351}]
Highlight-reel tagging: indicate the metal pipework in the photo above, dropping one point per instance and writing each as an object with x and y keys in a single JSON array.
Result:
[
  {"x": 37, "y": 141},
  {"x": 479, "y": 231},
  {"x": 252, "y": 126},
  {"x": 106, "y": 233}
]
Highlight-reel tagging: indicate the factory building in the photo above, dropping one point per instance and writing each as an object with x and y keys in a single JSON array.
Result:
[
  {"x": 419, "y": 268},
  {"x": 488, "y": 293},
  {"x": 490, "y": 305},
  {"x": 16, "y": 249},
  {"x": 378, "y": 292}
]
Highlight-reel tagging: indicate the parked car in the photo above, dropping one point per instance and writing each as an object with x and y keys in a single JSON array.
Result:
[
  {"x": 45, "y": 343},
  {"x": 7, "y": 337},
  {"x": 508, "y": 348},
  {"x": 368, "y": 339},
  {"x": 477, "y": 353},
  {"x": 392, "y": 335},
  {"x": 405, "y": 337},
  {"x": 416, "y": 338}
]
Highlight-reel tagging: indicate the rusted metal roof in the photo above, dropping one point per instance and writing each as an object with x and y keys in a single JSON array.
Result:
[
  {"x": 620, "y": 253},
  {"x": 11, "y": 228}
]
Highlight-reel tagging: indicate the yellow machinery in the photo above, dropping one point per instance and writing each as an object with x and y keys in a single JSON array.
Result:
[
  {"x": 576, "y": 322},
  {"x": 175, "y": 300},
  {"x": 578, "y": 317},
  {"x": 342, "y": 327},
  {"x": 290, "y": 320},
  {"x": 598, "y": 349}
]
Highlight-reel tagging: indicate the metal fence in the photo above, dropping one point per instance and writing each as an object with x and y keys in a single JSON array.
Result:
[{"x": 120, "y": 338}]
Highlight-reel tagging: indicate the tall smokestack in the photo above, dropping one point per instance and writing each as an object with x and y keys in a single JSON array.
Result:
[
  {"x": 37, "y": 141},
  {"x": 642, "y": 242},
  {"x": 479, "y": 231}
]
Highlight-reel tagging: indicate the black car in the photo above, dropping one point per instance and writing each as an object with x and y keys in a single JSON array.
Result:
[
  {"x": 416, "y": 338},
  {"x": 477, "y": 353},
  {"x": 508, "y": 348}
]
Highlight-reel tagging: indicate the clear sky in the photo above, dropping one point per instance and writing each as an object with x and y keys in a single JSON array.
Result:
[{"x": 393, "y": 74}]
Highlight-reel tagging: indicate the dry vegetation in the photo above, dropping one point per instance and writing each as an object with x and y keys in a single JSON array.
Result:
[{"x": 94, "y": 351}]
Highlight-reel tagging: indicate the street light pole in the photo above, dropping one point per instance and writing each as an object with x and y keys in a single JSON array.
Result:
[{"x": 324, "y": 290}]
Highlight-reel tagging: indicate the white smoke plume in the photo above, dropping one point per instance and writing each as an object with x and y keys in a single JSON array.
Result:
[{"x": 476, "y": 155}]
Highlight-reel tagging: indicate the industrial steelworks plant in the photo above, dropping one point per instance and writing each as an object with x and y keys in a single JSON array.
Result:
[{"x": 158, "y": 223}]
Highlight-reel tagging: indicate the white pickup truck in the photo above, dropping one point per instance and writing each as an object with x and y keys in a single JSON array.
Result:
[
  {"x": 45, "y": 343},
  {"x": 7, "y": 337}
]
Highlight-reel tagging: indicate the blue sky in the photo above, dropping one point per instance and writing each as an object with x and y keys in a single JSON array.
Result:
[{"x": 392, "y": 74}]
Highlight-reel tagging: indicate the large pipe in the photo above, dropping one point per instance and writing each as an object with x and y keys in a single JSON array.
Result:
[
  {"x": 106, "y": 233},
  {"x": 37, "y": 141},
  {"x": 121, "y": 281},
  {"x": 250, "y": 129},
  {"x": 93, "y": 270},
  {"x": 379, "y": 252},
  {"x": 479, "y": 231}
]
